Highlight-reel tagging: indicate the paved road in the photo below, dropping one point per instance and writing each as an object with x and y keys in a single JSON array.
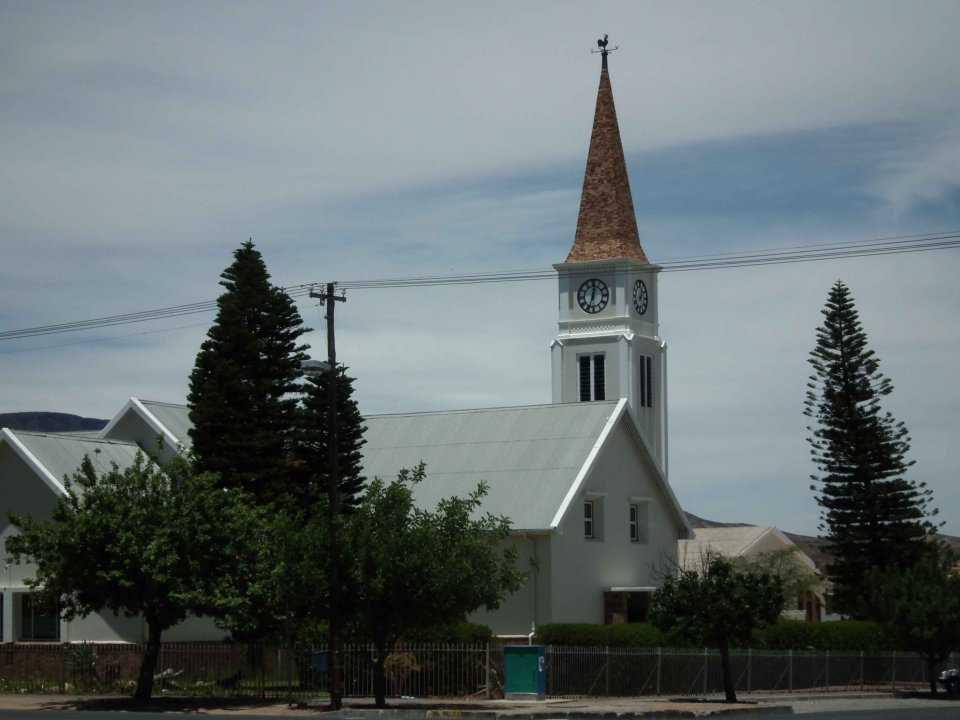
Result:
[
  {"x": 883, "y": 707},
  {"x": 866, "y": 706}
]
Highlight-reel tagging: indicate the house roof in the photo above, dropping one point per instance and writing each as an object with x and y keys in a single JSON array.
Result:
[
  {"x": 55, "y": 456},
  {"x": 175, "y": 419},
  {"x": 534, "y": 459},
  {"x": 607, "y": 224},
  {"x": 731, "y": 541},
  {"x": 168, "y": 420}
]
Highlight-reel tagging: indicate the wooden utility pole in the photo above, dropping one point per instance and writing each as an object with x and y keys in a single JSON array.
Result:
[{"x": 333, "y": 491}]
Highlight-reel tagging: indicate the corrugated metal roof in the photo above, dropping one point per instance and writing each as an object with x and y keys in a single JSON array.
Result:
[
  {"x": 730, "y": 541},
  {"x": 528, "y": 456},
  {"x": 61, "y": 455},
  {"x": 175, "y": 418}
]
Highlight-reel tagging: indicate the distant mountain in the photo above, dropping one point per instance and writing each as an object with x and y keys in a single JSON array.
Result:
[{"x": 50, "y": 422}]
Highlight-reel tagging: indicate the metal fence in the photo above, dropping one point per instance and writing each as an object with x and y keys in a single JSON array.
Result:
[
  {"x": 629, "y": 672},
  {"x": 434, "y": 670}
]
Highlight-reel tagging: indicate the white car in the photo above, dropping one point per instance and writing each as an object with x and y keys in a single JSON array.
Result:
[{"x": 950, "y": 679}]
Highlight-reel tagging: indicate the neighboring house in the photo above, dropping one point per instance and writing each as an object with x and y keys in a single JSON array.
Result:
[
  {"x": 160, "y": 428},
  {"x": 33, "y": 467},
  {"x": 752, "y": 542}
]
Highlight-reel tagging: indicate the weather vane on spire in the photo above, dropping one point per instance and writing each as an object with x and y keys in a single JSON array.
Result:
[{"x": 602, "y": 44}]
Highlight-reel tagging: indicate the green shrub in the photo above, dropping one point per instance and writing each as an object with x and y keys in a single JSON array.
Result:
[
  {"x": 462, "y": 632},
  {"x": 839, "y": 636},
  {"x": 627, "y": 635}
]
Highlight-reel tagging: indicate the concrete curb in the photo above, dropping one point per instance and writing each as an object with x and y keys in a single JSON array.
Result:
[{"x": 553, "y": 713}]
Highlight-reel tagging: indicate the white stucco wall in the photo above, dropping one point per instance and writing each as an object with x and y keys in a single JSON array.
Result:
[
  {"x": 133, "y": 428},
  {"x": 582, "y": 569},
  {"x": 529, "y": 607}
]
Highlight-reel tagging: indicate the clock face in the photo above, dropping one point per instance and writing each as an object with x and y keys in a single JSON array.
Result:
[
  {"x": 640, "y": 297},
  {"x": 593, "y": 296}
]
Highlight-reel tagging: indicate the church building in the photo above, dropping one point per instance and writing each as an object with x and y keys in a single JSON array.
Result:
[{"x": 583, "y": 479}]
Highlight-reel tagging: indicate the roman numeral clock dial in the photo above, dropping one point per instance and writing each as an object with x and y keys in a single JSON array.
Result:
[
  {"x": 593, "y": 296},
  {"x": 640, "y": 297}
]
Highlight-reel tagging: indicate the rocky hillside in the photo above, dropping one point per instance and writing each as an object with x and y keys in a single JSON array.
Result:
[{"x": 49, "y": 422}]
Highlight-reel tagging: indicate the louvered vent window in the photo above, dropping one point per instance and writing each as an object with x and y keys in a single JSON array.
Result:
[
  {"x": 592, "y": 378},
  {"x": 646, "y": 381}
]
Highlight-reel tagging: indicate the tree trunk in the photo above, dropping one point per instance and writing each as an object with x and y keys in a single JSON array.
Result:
[
  {"x": 380, "y": 676},
  {"x": 149, "y": 665},
  {"x": 728, "y": 686}
]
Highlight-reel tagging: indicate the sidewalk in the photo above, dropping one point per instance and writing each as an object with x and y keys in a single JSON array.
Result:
[{"x": 414, "y": 709}]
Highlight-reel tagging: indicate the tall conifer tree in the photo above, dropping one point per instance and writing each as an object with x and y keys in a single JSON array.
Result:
[
  {"x": 872, "y": 516},
  {"x": 312, "y": 442},
  {"x": 243, "y": 386}
]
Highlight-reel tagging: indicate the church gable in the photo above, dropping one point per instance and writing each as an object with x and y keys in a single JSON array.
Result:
[{"x": 529, "y": 457}]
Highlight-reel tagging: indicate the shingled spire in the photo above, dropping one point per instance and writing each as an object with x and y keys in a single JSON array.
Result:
[{"x": 607, "y": 226}]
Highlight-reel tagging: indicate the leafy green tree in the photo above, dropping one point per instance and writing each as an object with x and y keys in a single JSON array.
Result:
[
  {"x": 409, "y": 569},
  {"x": 921, "y": 605},
  {"x": 797, "y": 578},
  {"x": 872, "y": 516},
  {"x": 160, "y": 543},
  {"x": 312, "y": 441},
  {"x": 244, "y": 384},
  {"x": 717, "y": 605}
]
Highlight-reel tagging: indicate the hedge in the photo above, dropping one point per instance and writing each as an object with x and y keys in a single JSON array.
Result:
[
  {"x": 839, "y": 636},
  {"x": 626, "y": 635}
]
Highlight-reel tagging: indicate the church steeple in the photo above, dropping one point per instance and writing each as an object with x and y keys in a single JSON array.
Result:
[
  {"x": 607, "y": 226},
  {"x": 609, "y": 345}
]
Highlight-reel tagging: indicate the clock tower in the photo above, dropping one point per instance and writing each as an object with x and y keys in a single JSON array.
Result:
[{"x": 608, "y": 346}]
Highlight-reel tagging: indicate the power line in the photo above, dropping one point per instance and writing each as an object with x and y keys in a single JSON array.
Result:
[{"x": 801, "y": 253}]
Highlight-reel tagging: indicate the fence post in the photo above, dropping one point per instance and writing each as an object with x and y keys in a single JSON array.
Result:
[
  {"x": 659, "y": 668},
  {"x": 606, "y": 671},
  {"x": 487, "y": 682},
  {"x": 790, "y": 670},
  {"x": 705, "y": 660}
]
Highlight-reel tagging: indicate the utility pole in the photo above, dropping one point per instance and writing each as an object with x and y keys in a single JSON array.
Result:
[{"x": 333, "y": 491}]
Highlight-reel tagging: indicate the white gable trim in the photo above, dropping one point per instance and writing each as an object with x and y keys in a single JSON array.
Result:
[
  {"x": 656, "y": 473},
  {"x": 30, "y": 459},
  {"x": 134, "y": 404},
  {"x": 751, "y": 545},
  {"x": 588, "y": 464},
  {"x": 787, "y": 543}
]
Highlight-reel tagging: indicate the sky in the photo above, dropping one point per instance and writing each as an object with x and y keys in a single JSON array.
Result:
[{"x": 142, "y": 143}]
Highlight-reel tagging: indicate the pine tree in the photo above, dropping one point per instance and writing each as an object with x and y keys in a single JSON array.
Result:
[
  {"x": 312, "y": 444},
  {"x": 872, "y": 516},
  {"x": 243, "y": 386}
]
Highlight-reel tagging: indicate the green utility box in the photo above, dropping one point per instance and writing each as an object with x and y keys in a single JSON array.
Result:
[{"x": 524, "y": 672}]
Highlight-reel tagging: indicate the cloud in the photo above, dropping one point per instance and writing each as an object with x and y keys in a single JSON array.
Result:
[{"x": 142, "y": 143}]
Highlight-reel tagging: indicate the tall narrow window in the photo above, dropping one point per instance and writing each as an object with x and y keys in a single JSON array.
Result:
[
  {"x": 592, "y": 378},
  {"x": 638, "y": 523},
  {"x": 646, "y": 381},
  {"x": 588, "y": 527}
]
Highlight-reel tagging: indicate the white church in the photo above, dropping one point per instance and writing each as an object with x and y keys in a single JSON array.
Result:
[{"x": 584, "y": 480}]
